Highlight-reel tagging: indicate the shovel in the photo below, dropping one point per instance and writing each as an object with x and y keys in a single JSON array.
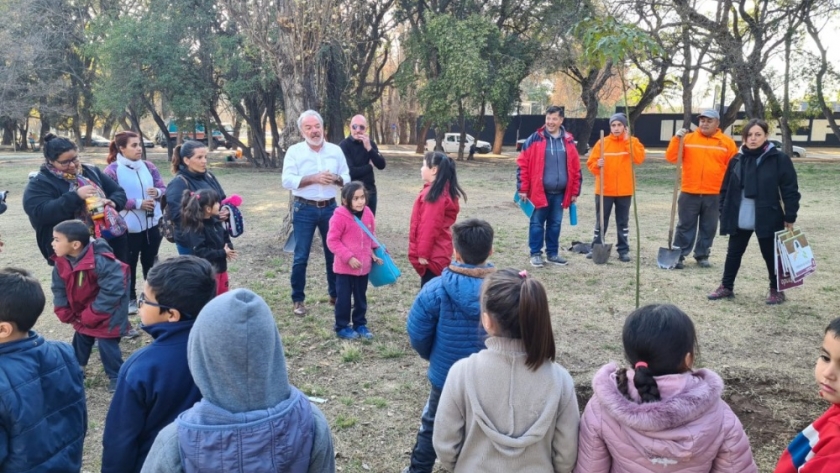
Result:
[
  {"x": 669, "y": 257},
  {"x": 601, "y": 251}
]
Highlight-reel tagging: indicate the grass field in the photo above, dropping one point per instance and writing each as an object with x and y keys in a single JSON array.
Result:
[{"x": 375, "y": 391}]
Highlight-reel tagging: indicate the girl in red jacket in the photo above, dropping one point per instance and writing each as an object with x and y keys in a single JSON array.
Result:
[{"x": 434, "y": 212}]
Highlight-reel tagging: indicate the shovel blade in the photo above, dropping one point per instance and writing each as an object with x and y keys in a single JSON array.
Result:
[
  {"x": 289, "y": 246},
  {"x": 601, "y": 253},
  {"x": 668, "y": 258}
]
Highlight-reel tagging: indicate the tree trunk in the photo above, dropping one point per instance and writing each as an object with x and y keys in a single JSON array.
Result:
[
  {"x": 462, "y": 123},
  {"x": 826, "y": 111},
  {"x": 421, "y": 138},
  {"x": 164, "y": 130},
  {"x": 501, "y": 124},
  {"x": 298, "y": 96}
]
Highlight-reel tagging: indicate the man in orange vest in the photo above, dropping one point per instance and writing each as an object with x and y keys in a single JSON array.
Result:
[
  {"x": 618, "y": 181},
  {"x": 705, "y": 157}
]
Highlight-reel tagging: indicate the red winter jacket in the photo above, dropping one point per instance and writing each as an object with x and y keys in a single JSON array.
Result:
[
  {"x": 91, "y": 293},
  {"x": 429, "y": 236},
  {"x": 531, "y": 165}
]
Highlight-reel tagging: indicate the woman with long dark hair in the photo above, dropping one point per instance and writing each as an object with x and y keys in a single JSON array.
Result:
[
  {"x": 189, "y": 165},
  {"x": 144, "y": 187},
  {"x": 63, "y": 189}
]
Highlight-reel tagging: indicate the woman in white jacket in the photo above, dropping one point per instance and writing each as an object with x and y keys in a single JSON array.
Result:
[{"x": 144, "y": 188}]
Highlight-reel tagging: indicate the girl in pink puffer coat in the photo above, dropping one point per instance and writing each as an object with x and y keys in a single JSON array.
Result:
[{"x": 661, "y": 416}]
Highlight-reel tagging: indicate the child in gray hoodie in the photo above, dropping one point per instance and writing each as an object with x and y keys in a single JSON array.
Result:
[{"x": 251, "y": 418}]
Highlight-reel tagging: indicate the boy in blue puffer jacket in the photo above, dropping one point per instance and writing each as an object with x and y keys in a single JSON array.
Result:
[
  {"x": 43, "y": 417},
  {"x": 444, "y": 324}
]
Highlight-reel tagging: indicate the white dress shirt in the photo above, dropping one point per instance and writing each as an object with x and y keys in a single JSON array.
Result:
[{"x": 302, "y": 161}]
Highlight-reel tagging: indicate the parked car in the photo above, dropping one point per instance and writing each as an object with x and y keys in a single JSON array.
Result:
[
  {"x": 147, "y": 143},
  {"x": 195, "y": 131},
  {"x": 99, "y": 141},
  {"x": 451, "y": 143},
  {"x": 798, "y": 151}
]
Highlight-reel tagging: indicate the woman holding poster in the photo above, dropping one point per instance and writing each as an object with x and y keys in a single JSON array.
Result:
[{"x": 759, "y": 195}]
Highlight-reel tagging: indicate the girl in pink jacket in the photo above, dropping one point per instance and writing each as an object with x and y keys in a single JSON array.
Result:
[
  {"x": 661, "y": 415},
  {"x": 353, "y": 251}
]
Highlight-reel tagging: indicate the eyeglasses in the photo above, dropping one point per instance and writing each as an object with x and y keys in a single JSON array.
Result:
[
  {"x": 67, "y": 162},
  {"x": 141, "y": 301},
  {"x": 358, "y": 127}
]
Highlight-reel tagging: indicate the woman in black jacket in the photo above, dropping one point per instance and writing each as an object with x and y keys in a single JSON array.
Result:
[
  {"x": 759, "y": 195},
  {"x": 58, "y": 192},
  {"x": 189, "y": 165}
]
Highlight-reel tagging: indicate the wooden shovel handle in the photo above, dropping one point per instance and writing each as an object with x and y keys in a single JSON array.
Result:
[
  {"x": 676, "y": 191},
  {"x": 601, "y": 175}
]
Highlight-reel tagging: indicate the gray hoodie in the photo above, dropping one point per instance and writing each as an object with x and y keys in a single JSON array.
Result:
[
  {"x": 251, "y": 418},
  {"x": 495, "y": 414}
]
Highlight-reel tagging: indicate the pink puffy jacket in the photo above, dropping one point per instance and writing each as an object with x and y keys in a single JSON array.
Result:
[
  {"x": 346, "y": 240},
  {"x": 691, "y": 430}
]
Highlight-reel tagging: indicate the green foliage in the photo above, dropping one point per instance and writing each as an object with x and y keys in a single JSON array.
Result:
[{"x": 607, "y": 39}]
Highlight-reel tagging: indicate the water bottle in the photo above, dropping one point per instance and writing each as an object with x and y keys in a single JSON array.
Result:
[{"x": 573, "y": 213}]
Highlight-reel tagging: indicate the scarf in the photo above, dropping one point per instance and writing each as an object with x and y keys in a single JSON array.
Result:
[
  {"x": 749, "y": 168},
  {"x": 76, "y": 181}
]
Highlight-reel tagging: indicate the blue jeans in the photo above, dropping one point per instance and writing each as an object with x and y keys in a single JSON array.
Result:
[
  {"x": 423, "y": 456},
  {"x": 345, "y": 287},
  {"x": 109, "y": 352},
  {"x": 307, "y": 219},
  {"x": 545, "y": 226}
]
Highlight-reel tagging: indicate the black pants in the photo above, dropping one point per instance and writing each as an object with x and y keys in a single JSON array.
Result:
[
  {"x": 622, "y": 220},
  {"x": 371, "y": 201},
  {"x": 143, "y": 246},
  {"x": 426, "y": 277},
  {"x": 119, "y": 246},
  {"x": 737, "y": 246},
  {"x": 347, "y": 286}
]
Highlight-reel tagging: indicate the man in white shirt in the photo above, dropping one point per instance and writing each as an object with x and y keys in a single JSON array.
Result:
[{"x": 313, "y": 170}]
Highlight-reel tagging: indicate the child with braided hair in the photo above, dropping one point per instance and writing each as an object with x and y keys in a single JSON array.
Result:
[{"x": 661, "y": 415}]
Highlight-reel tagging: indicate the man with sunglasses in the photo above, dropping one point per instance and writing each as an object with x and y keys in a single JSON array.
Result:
[{"x": 362, "y": 155}]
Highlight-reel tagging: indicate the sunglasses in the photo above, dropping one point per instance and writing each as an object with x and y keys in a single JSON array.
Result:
[{"x": 358, "y": 127}]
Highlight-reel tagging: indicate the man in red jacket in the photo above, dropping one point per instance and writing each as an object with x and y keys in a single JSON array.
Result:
[{"x": 548, "y": 174}]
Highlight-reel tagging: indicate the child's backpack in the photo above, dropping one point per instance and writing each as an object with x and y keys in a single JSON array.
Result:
[{"x": 234, "y": 225}]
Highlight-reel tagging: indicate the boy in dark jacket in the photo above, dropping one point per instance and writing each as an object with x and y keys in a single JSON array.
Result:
[
  {"x": 444, "y": 324},
  {"x": 155, "y": 384},
  {"x": 90, "y": 291},
  {"x": 43, "y": 417}
]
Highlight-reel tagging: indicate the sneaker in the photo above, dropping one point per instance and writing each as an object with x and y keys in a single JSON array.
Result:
[
  {"x": 589, "y": 255},
  {"x": 132, "y": 334},
  {"x": 347, "y": 333},
  {"x": 300, "y": 309},
  {"x": 704, "y": 263},
  {"x": 363, "y": 332},
  {"x": 775, "y": 297},
  {"x": 680, "y": 264},
  {"x": 558, "y": 260},
  {"x": 537, "y": 261},
  {"x": 624, "y": 257},
  {"x": 721, "y": 293},
  {"x": 112, "y": 385},
  {"x": 132, "y": 307}
]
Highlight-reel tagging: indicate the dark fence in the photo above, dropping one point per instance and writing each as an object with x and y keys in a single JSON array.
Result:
[{"x": 653, "y": 129}]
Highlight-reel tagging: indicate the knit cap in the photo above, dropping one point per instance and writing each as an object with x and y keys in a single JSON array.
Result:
[{"x": 620, "y": 117}]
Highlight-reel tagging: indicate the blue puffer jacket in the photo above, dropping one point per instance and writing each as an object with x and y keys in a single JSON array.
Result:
[
  {"x": 444, "y": 324},
  {"x": 43, "y": 416}
]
